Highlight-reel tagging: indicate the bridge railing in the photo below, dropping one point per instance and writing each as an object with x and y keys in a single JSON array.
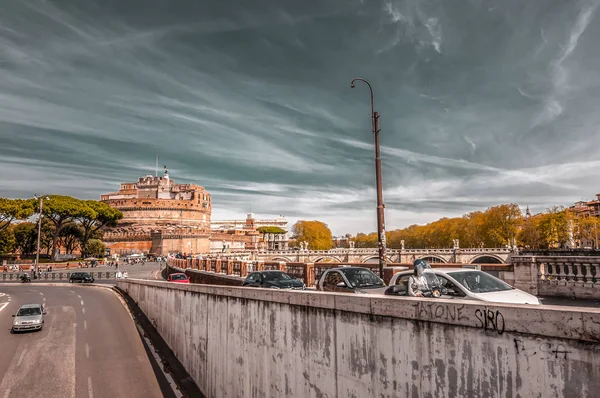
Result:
[
  {"x": 563, "y": 276},
  {"x": 310, "y": 273}
]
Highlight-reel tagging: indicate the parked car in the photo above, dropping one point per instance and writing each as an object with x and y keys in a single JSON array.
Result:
[
  {"x": 81, "y": 277},
  {"x": 351, "y": 280},
  {"x": 178, "y": 277},
  {"x": 28, "y": 317},
  {"x": 273, "y": 280},
  {"x": 469, "y": 284}
]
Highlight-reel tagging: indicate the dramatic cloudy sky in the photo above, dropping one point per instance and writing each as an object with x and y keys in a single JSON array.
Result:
[{"x": 481, "y": 102}]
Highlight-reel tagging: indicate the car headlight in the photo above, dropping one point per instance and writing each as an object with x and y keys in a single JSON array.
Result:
[{"x": 37, "y": 321}]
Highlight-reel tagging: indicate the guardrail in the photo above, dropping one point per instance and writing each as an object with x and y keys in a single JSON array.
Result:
[{"x": 15, "y": 276}]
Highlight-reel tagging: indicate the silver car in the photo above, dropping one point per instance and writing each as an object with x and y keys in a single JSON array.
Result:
[{"x": 29, "y": 317}]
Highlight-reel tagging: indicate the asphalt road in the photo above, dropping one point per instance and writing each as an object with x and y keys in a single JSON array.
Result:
[{"x": 89, "y": 347}]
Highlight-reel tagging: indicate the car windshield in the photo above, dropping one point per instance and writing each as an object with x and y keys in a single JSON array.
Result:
[
  {"x": 362, "y": 277},
  {"x": 178, "y": 277},
  {"x": 29, "y": 311},
  {"x": 276, "y": 276},
  {"x": 480, "y": 282}
]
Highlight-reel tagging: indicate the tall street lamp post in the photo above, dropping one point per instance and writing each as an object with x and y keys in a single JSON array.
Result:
[
  {"x": 39, "y": 235},
  {"x": 380, "y": 205}
]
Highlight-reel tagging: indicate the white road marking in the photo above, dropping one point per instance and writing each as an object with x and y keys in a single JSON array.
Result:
[
  {"x": 21, "y": 357},
  {"x": 7, "y": 393},
  {"x": 2, "y": 294},
  {"x": 3, "y": 306},
  {"x": 83, "y": 310},
  {"x": 81, "y": 302},
  {"x": 85, "y": 325},
  {"x": 87, "y": 350},
  {"x": 90, "y": 391},
  {"x": 79, "y": 295},
  {"x": 72, "y": 291},
  {"x": 41, "y": 294}
]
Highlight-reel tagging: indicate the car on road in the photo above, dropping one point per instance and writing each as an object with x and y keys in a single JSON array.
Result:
[
  {"x": 28, "y": 317},
  {"x": 273, "y": 280},
  {"x": 469, "y": 284},
  {"x": 178, "y": 277},
  {"x": 81, "y": 277},
  {"x": 348, "y": 279}
]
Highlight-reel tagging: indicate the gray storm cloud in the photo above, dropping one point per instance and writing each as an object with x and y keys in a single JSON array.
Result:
[{"x": 481, "y": 103}]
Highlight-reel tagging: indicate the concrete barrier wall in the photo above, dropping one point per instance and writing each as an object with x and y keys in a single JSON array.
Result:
[{"x": 245, "y": 342}]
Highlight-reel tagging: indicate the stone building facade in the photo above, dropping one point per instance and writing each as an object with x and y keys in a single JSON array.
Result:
[
  {"x": 159, "y": 217},
  {"x": 233, "y": 235}
]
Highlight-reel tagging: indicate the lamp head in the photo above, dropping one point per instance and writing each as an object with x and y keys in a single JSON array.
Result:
[{"x": 352, "y": 85}]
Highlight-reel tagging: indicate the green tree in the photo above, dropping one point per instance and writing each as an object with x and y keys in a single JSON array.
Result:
[
  {"x": 47, "y": 236},
  {"x": 95, "y": 248},
  {"x": 14, "y": 209},
  {"x": 102, "y": 215},
  {"x": 60, "y": 210},
  {"x": 69, "y": 237},
  {"x": 271, "y": 230},
  {"x": 316, "y": 233},
  {"x": 26, "y": 237},
  {"x": 7, "y": 240}
]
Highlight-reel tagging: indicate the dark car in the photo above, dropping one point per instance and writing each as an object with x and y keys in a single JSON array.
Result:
[
  {"x": 273, "y": 280},
  {"x": 348, "y": 279},
  {"x": 81, "y": 277}
]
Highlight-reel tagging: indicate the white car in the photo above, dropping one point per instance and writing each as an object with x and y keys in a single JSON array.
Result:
[{"x": 471, "y": 284}]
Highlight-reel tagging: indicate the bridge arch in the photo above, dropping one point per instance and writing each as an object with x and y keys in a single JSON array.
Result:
[
  {"x": 287, "y": 260},
  {"x": 487, "y": 259},
  {"x": 374, "y": 259},
  {"x": 322, "y": 258},
  {"x": 433, "y": 259}
]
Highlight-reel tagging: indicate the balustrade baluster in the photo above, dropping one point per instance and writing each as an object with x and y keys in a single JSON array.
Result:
[
  {"x": 561, "y": 276},
  {"x": 542, "y": 272}
]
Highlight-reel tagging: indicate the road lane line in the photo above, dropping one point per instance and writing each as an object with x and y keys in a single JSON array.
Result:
[
  {"x": 81, "y": 302},
  {"x": 72, "y": 291},
  {"x": 79, "y": 295},
  {"x": 87, "y": 350},
  {"x": 83, "y": 310},
  {"x": 85, "y": 325},
  {"x": 21, "y": 357},
  {"x": 3, "y": 306},
  {"x": 90, "y": 391},
  {"x": 41, "y": 294}
]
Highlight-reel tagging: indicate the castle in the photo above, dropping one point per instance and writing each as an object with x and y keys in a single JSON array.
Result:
[{"x": 159, "y": 217}]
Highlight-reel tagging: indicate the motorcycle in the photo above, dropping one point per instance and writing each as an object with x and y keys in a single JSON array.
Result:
[{"x": 25, "y": 278}]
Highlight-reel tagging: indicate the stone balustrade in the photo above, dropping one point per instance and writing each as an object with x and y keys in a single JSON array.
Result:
[{"x": 562, "y": 276}]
